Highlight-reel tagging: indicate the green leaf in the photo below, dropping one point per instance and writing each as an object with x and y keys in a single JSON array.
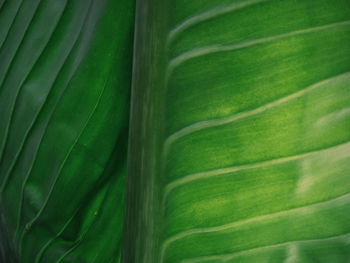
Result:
[
  {"x": 64, "y": 93},
  {"x": 240, "y": 127},
  {"x": 239, "y": 147}
]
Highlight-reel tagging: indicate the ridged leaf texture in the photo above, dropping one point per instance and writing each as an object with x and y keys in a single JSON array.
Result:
[
  {"x": 239, "y": 131},
  {"x": 249, "y": 129},
  {"x": 65, "y": 72}
]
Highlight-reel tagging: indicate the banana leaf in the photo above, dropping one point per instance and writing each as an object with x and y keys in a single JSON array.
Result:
[
  {"x": 240, "y": 129},
  {"x": 238, "y": 149},
  {"x": 65, "y": 72}
]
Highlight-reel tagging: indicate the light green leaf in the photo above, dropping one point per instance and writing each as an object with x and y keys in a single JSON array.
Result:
[{"x": 244, "y": 119}]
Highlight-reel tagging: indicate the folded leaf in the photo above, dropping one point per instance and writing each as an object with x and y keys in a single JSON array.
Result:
[{"x": 64, "y": 93}]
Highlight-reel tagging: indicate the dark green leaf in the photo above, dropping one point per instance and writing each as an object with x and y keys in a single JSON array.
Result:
[{"x": 64, "y": 96}]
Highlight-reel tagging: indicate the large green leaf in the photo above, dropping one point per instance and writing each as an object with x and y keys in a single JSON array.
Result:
[
  {"x": 240, "y": 132},
  {"x": 64, "y": 95},
  {"x": 239, "y": 147}
]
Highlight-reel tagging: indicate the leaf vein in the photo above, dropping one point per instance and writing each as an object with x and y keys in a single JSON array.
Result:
[
  {"x": 217, "y": 172},
  {"x": 226, "y": 257},
  {"x": 246, "y": 114},
  {"x": 237, "y": 224},
  {"x": 207, "y": 15},
  {"x": 203, "y": 51}
]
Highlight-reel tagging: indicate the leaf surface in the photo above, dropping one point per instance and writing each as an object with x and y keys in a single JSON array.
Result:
[
  {"x": 245, "y": 145},
  {"x": 64, "y": 96}
]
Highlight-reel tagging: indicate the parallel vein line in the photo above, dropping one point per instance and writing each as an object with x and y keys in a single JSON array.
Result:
[
  {"x": 62, "y": 165},
  {"x": 84, "y": 235},
  {"x": 246, "y": 114},
  {"x": 41, "y": 252},
  {"x": 175, "y": 62},
  {"x": 12, "y": 23},
  {"x": 217, "y": 172},
  {"x": 225, "y": 257},
  {"x": 207, "y": 15},
  {"x": 31, "y": 125},
  {"x": 46, "y": 124},
  {"x": 237, "y": 224},
  {"x": 60, "y": 170},
  {"x": 99, "y": 99},
  {"x": 7, "y": 71},
  {"x": 2, "y": 2},
  {"x": 7, "y": 172},
  {"x": 50, "y": 241},
  {"x": 79, "y": 238}
]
